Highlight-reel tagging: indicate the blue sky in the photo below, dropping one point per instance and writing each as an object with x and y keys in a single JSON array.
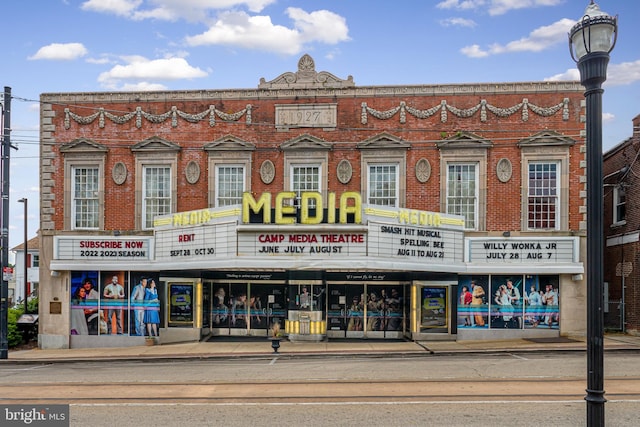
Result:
[{"x": 116, "y": 45}]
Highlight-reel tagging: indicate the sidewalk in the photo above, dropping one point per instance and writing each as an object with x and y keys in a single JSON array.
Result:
[{"x": 223, "y": 349}]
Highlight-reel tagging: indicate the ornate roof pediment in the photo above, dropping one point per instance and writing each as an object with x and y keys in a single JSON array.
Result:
[
  {"x": 546, "y": 138},
  {"x": 383, "y": 140},
  {"x": 229, "y": 143},
  {"x": 83, "y": 145},
  {"x": 155, "y": 143},
  {"x": 306, "y": 142},
  {"x": 306, "y": 78},
  {"x": 464, "y": 139}
]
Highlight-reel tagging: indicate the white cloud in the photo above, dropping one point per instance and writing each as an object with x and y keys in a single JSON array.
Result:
[
  {"x": 608, "y": 118},
  {"x": 171, "y": 10},
  {"x": 622, "y": 74},
  {"x": 538, "y": 40},
  {"x": 140, "y": 71},
  {"x": 142, "y": 87},
  {"x": 115, "y": 7},
  {"x": 474, "y": 51},
  {"x": 460, "y": 4},
  {"x": 458, "y": 22},
  {"x": 571, "y": 74},
  {"x": 260, "y": 33},
  {"x": 60, "y": 52},
  {"x": 495, "y": 7}
]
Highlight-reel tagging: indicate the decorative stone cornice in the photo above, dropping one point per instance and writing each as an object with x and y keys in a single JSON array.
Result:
[
  {"x": 83, "y": 145},
  {"x": 306, "y": 142},
  {"x": 155, "y": 143},
  {"x": 546, "y": 138},
  {"x": 464, "y": 140},
  {"x": 172, "y": 114},
  {"x": 229, "y": 143},
  {"x": 444, "y": 108},
  {"x": 383, "y": 140},
  {"x": 306, "y": 78}
]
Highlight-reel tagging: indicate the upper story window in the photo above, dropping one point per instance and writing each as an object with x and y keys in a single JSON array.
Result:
[
  {"x": 306, "y": 166},
  {"x": 156, "y": 179},
  {"x": 384, "y": 170},
  {"x": 306, "y": 178},
  {"x": 230, "y": 170},
  {"x": 35, "y": 260},
  {"x": 383, "y": 185},
  {"x": 84, "y": 184},
  {"x": 543, "y": 205},
  {"x": 463, "y": 183},
  {"x": 85, "y": 196},
  {"x": 462, "y": 192},
  {"x": 545, "y": 181},
  {"x": 156, "y": 199},
  {"x": 619, "y": 204},
  {"x": 229, "y": 184}
]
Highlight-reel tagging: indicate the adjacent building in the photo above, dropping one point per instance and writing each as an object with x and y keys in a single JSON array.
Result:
[
  {"x": 622, "y": 234},
  {"x": 315, "y": 207}
]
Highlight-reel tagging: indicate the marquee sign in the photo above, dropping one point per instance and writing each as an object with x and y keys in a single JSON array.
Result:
[
  {"x": 103, "y": 248},
  {"x": 523, "y": 250}
]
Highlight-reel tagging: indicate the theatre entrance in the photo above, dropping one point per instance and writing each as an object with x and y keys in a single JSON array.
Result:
[
  {"x": 367, "y": 310},
  {"x": 242, "y": 308}
]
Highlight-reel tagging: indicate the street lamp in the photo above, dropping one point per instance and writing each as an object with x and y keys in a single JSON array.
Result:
[
  {"x": 26, "y": 252},
  {"x": 590, "y": 42}
]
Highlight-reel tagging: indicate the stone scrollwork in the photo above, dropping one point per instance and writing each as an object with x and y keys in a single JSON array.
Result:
[
  {"x": 119, "y": 173},
  {"x": 504, "y": 170},
  {"x": 344, "y": 171},
  {"x": 192, "y": 172},
  {"x": 267, "y": 172},
  {"x": 423, "y": 170}
]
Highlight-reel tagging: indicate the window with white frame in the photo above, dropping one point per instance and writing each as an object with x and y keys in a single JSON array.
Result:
[
  {"x": 306, "y": 178},
  {"x": 619, "y": 204},
  {"x": 35, "y": 260},
  {"x": 156, "y": 198},
  {"x": 230, "y": 184},
  {"x": 85, "y": 197},
  {"x": 462, "y": 192},
  {"x": 543, "y": 195},
  {"x": 382, "y": 184}
]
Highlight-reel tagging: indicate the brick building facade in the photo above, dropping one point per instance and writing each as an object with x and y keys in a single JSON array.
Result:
[
  {"x": 622, "y": 234},
  {"x": 493, "y": 174}
]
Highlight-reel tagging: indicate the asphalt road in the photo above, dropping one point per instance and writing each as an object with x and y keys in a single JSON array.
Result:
[{"x": 524, "y": 389}]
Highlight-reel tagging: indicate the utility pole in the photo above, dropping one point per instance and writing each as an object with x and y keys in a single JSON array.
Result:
[{"x": 4, "y": 225}]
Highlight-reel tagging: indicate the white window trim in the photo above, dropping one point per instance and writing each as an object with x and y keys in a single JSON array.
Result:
[
  {"x": 616, "y": 197},
  {"x": 561, "y": 157},
  {"x": 227, "y": 158},
  {"x": 216, "y": 179},
  {"x": 69, "y": 184},
  {"x": 477, "y": 190},
  {"x": 379, "y": 156},
  {"x": 467, "y": 155},
  {"x": 153, "y": 160},
  {"x": 375, "y": 164},
  {"x": 301, "y": 158}
]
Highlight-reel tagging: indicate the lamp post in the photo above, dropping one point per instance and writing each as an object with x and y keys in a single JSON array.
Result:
[
  {"x": 26, "y": 253},
  {"x": 590, "y": 42}
]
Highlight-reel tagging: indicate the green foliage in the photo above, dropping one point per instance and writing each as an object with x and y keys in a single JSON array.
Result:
[{"x": 14, "y": 335}]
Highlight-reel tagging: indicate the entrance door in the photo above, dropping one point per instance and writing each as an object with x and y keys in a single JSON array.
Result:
[
  {"x": 243, "y": 308},
  {"x": 371, "y": 310},
  {"x": 345, "y": 314}
]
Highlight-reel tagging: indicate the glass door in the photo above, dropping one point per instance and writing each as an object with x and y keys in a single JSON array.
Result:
[{"x": 345, "y": 311}]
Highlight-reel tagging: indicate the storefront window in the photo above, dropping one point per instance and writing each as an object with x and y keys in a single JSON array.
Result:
[
  {"x": 510, "y": 302},
  {"x": 434, "y": 309},
  {"x": 104, "y": 303}
]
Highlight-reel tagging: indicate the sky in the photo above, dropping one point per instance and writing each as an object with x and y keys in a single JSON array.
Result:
[{"x": 54, "y": 46}]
